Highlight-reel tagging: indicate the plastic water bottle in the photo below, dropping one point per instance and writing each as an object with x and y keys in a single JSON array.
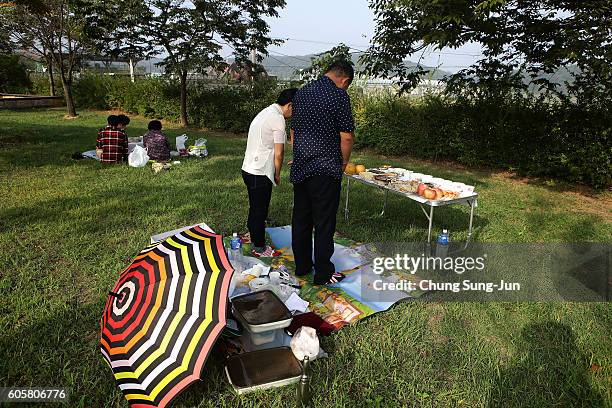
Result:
[
  {"x": 442, "y": 245},
  {"x": 236, "y": 253}
]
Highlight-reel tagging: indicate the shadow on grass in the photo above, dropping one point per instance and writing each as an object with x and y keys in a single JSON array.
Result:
[
  {"x": 549, "y": 371},
  {"x": 104, "y": 208},
  {"x": 57, "y": 349}
]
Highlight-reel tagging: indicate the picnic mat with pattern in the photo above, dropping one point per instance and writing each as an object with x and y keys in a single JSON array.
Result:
[{"x": 352, "y": 299}]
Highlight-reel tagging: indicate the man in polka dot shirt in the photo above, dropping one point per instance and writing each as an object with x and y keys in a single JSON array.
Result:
[{"x": 322, "y": 131}]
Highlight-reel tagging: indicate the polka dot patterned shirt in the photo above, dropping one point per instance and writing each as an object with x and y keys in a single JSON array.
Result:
[{"x": 321, "y": 111}]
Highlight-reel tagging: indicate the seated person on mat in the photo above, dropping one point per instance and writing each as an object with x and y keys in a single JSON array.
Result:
[
  {"x": 156, "y": 142},
  {"x": 124, "y": 121},
  {"x": 112, "y": 142}
]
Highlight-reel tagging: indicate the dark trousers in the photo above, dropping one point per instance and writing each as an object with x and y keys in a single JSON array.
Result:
[
  {"x": 260, "y": 193},
  {"x": 315, "y": 205}
]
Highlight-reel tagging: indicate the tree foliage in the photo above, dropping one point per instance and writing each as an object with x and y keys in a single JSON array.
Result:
[
  {"x": 519, "y": 38},
  {"x": 120, "y": 30},
  {"x": 193, "y": 34},
  {"x": 321, "y": 62},
  {"x": 55, "y": 30},
  {"x": 14, "y": 77}
]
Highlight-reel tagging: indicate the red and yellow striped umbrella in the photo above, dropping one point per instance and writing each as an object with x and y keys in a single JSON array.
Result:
[{"x": 164, "y": 315}]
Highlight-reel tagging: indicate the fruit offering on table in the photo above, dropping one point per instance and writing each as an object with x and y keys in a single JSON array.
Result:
[
  {"x": 408, "y": 182},
  {"x": 350, "y": 169}
]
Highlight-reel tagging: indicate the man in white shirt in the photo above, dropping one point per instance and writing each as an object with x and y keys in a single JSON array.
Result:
[{"x": 262, "y": 165}]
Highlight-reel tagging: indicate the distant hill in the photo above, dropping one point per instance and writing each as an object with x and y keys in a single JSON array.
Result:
[
  {"x": 560, "y": 77},
  {"x": 284, "y": 67}
]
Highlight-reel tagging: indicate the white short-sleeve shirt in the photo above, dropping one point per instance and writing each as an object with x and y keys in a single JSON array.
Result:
[{"x": 267, "y": 129}]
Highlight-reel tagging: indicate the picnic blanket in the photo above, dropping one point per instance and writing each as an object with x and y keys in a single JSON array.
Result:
[{"x": 352, "y": 299}]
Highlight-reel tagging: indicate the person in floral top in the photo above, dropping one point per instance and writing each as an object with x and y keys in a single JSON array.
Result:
[{"x": 156, "y": 142}]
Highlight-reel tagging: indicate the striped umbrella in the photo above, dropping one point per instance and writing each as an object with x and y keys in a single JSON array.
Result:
[{"x": 164, "y": 315}]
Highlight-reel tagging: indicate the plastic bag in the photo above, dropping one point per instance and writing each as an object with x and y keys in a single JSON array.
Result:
[
  {"x": 138, "y": 157},
  {"x": 305, "y": 342},
  {"x": 180, "y": 142},
  {"x": 199, "y": 149},
  {"x": 180, "y": 145}
]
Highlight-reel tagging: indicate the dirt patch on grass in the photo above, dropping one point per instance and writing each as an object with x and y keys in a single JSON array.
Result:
[
  {"x": 579, "y": 199},
  {"x": 600, "y": 207},
  {"x": 433, "y": 324}
]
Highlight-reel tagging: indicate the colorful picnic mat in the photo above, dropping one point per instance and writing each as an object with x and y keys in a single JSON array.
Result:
[{"x": 352, "y": 299}]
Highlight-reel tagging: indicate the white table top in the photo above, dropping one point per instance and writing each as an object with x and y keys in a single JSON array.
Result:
[{"x": 416, "y": 197}]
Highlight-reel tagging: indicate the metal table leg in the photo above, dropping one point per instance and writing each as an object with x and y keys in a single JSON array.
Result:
[
  {"x": 472, "y": 205},
  {"x": 430, "y": 219},
  {"x": 385, "y": 203},
  {"x": 431, "y": 211},
  {"x": 346, "y": 204}
]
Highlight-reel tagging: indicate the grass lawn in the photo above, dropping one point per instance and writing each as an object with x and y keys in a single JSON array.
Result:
[{"x": 67, "y": 228}]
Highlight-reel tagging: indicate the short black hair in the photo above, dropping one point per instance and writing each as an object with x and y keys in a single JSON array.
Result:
[
  {"x": 342, "y": 68},
  {"x": 155, "y": 125},
  {"x": 113, "y": 120},
  {"x": 123, "y": 120},
  {"x": 286, "y": 96}
]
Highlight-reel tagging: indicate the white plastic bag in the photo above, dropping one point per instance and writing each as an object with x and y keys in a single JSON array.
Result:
[
  {"x": 138, "y": 157},
  {"x": 199, "y": 149},
  {"x": 305, "y": 342},
  {"x": 180, "y": 142}
]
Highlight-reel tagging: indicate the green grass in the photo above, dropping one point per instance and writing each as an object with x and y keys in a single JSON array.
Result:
[{"x": 67, "y": 228}]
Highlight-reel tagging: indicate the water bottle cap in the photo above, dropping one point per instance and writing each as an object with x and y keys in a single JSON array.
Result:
[
  {"x": 445, "y": 231},
  {"x": 235, "y": 235}
]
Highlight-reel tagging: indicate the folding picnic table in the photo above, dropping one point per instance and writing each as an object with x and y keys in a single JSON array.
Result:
[{"x": 470, "y": 200}]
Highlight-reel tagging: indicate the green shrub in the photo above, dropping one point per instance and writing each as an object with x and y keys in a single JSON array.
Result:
[
  {"x": 92, "y": 90},
  {"x": 229, "y": 107},
  {"x": 40, "y": 85},
  {"x": 14, "y": 76},
  {"x": 531, "y": 136},
  {"x": 224, "y": 107}
]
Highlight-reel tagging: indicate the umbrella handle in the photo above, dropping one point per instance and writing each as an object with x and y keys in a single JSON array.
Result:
[{"x": 113, "y": 294}]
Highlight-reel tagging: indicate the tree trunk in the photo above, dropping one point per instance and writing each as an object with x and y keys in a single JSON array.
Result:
[
  {"x": 131, "y": 63},
  {"x": 51, "y": 79},
  {"x": 184, "y": 121},
  {"x": 67, "y": 85}
]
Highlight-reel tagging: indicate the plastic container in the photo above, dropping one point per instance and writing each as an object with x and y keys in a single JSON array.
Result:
[
  {"x": 263, "y": 369},
  {"x": 261, "y": 312},
  {"x": 259, "y": 339}
]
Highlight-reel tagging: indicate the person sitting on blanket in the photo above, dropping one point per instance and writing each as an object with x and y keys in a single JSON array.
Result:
[
  {"x": 156, "y": 142},
  {"x": 124, "y": 121},
  {"x": 262, "y": 165},
  {"x": 112, "y": 142}
]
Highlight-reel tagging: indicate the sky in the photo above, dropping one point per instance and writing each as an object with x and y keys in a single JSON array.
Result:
[{"x": 315, "y": 26}]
